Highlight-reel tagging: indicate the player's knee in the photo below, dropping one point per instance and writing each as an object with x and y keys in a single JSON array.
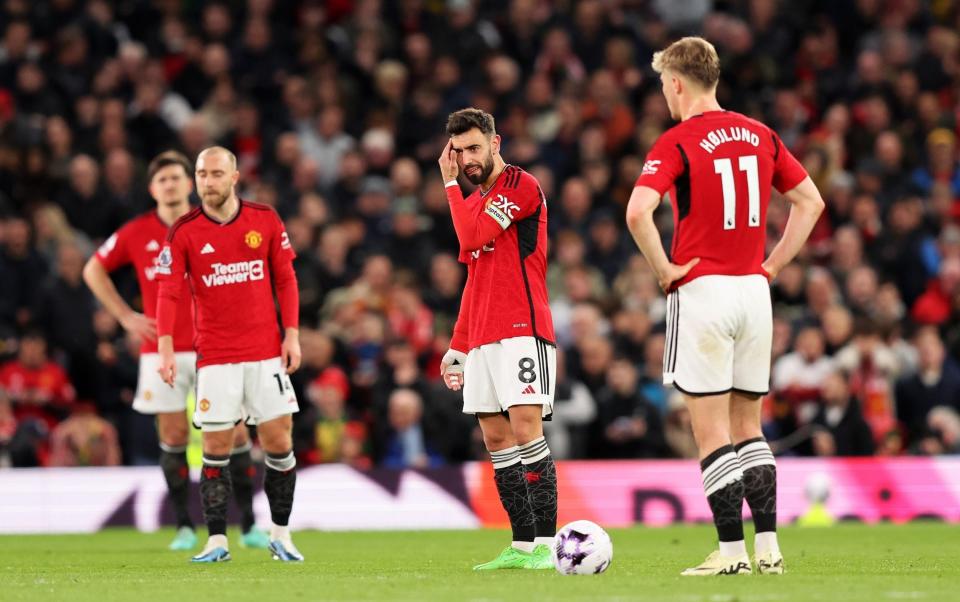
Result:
[
  {"x": 173, "y": 433},
  {"x": 497, "y": 439},
  {"x": 240, "y": 436},
  {"x": 526, "y": 431}
]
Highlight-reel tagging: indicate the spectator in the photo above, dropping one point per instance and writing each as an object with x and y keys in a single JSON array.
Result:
[
  {"x": 797, "y": 378},
  {"x": 839, "y": 427},
  {"x": 84, "y": 439},
  {"x": 628, "y": 426},
  {"x": 573, "y": 410},
  {"x": 328, "y": 432},
  {"x": 407, "y": 445},
  {"x": 936, "y": 383},
  {"x": 38, "y": 387}
]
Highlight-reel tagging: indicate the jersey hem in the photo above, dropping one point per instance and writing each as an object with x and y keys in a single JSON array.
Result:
[{"x": 234, "y": 359}]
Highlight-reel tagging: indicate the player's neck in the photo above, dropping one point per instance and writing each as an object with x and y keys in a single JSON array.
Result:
[
  {"x": 498, "y": 166},
  {"x": 226, "y": 211},
  {"x": 699, "y": 105},
  {"x": 169, "y": 214}
]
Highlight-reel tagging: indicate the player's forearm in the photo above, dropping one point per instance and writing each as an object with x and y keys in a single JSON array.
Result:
[
  {"x": 165, "y": 344},
  {"x": 645, "y": 234},
  {"x": 99, "y": 282},
  {"x": 288, "y": 295},
  {"x": 167, "y": 300},
  {"x": 472, "y": 232},
  {"x": 807, "y": 205}
]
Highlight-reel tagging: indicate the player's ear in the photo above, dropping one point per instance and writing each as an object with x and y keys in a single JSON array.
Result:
[{"x": 495, "y": 144}]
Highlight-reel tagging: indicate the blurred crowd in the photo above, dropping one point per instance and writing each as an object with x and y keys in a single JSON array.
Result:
[{"x": 336, "y": 111}]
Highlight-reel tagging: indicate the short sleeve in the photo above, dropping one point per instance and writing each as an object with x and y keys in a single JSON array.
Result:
[
  {"x": 114, "y": 252},
  {"x": 662, "y": 166},
  {"x": 787, "y": 171}
]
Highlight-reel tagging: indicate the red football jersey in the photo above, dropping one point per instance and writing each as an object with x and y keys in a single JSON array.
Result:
[
  {"x": 506, "y": 291},
  {"x": 139, "y": 242},
  {"x": 232, "y": 268},
  {"x": 719, "y": 168},
  {"x": 34, "y": 390}
]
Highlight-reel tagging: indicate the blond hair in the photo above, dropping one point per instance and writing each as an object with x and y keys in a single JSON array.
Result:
[{"x": 691, "y": 57}]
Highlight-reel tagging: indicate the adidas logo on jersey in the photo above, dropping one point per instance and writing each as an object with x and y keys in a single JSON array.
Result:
[
  {"x": 152, "y": 246},
  {"x": 207, "y": 249},
  {"x": 529, "y": 391}
]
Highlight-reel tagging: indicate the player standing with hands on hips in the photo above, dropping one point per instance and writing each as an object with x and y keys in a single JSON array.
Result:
[
  {"x": 234, "y": 253},
  {"x": 138, "y": 243},
  {"x": 719, "y": 167},
  {"x": 502, "y": 353}
]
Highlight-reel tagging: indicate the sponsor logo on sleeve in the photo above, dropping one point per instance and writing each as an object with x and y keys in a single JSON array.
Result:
[
  {"x": 502, "y": 210},
  {"x": 108, "y": 245},
  {"x": 650, "y": 167},
  {"x": 253, "y": 239},
  {"x": 163, "y": 263}
]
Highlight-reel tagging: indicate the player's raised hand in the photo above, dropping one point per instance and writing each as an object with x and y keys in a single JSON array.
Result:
[
  {"x": 675, "y": 272},
  {"x": 449, "y": 168},
  {"x": 290, "y": 351},
  {"x": 143, "y": 327},
  {"x": 451, "y": 369}
]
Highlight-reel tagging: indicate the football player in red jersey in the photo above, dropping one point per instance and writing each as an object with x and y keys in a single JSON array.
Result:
[
  {"x": 234, "y": 253},
  {"x": 502, "y": 352},
  {"x": 719, "y": 168},
  {"x": 138, "y": 242}
]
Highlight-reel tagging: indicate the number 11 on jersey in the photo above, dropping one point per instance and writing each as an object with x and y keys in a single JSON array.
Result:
[{"x": 748, "y": 165}]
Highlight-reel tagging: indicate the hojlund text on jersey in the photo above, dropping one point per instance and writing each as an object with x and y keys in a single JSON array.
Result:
[{"x": 735, "y": 134}]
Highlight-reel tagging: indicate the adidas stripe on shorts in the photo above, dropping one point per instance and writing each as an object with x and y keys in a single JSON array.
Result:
[{"x": 516, "y": 371}]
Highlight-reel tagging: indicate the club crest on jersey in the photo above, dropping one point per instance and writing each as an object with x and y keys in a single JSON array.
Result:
[
  {"x": 204, "y": 404},
  {"x": 650, "y": 167},
  {"x": 253, "y": 239}
]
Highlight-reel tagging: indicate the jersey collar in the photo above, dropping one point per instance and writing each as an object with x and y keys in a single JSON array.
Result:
[
  {"x": 494, "y": 185},
  {"x": 240, "y": 203}
]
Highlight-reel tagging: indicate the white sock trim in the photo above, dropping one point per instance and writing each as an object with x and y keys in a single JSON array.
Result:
[
  {"x": 173, "y": 449},
  {"x": 756, "y": 454},
  {"x": 534, "y": 451},
  {"x": 723, "y": 471},
  {"x": 546, "y": 541},
  {"x": 524, "y": 546},
  {"x": 733, "y": 548},
  {"x": 504, "y": 458},
  {"x": 283, "y": 464},
  {"x": 207, "y": 461}
]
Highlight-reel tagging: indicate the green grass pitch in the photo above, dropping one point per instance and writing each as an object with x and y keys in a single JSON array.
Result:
[{"x": 847, "y": 562}]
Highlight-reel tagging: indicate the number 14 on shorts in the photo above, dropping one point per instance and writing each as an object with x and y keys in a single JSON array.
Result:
[{"x": 283, "y": 383}]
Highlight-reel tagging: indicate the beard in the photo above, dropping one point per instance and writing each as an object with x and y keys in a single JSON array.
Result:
[
  {"x": 215, "y": 198},
  {"x": 478, "y": 178}
]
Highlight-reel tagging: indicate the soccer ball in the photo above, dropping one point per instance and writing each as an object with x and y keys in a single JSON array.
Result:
[{"x": 581, "y": 548}]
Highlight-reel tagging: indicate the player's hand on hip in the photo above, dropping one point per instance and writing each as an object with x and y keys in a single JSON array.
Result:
[
  {"x": 451, "y": 369},
  {"x": 770, "y": 269},
  {"x": 290, "y": 352},
  {"x": 168, "y": 367},
  {"x": 448, "y": 163},
  {"x": 140, "y": 325},
  {"x": 676, "y": 272}
]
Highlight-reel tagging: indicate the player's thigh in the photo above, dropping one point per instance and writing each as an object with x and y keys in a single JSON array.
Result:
[
  {"x": 219, "y": 397},
  {"x": 155, "y": 396},
  {"x": 526, "y": 422},
  {"x": 479, "y": 396},
  {"x": 701, "y": 323},
  {"x": 524, "y": 373},
  {"x": 752, "y": 347},
  {"x": 275, "y": 435},
  {"x": 745, "y": 416},
  {"x": 268, "y": 392}
]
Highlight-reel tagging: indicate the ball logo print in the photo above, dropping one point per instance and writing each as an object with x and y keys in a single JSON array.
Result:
[
  {"x": 253, "y": 239},
  {"x": 582, "y": 548}
]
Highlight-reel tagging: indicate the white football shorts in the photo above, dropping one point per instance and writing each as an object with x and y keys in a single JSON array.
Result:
[
  {"x": 515, "y": 371},
  {"x": 719, "y": 336},
  {"x": 157, "y": 397},
  {"x": 251, "y": 391}
]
